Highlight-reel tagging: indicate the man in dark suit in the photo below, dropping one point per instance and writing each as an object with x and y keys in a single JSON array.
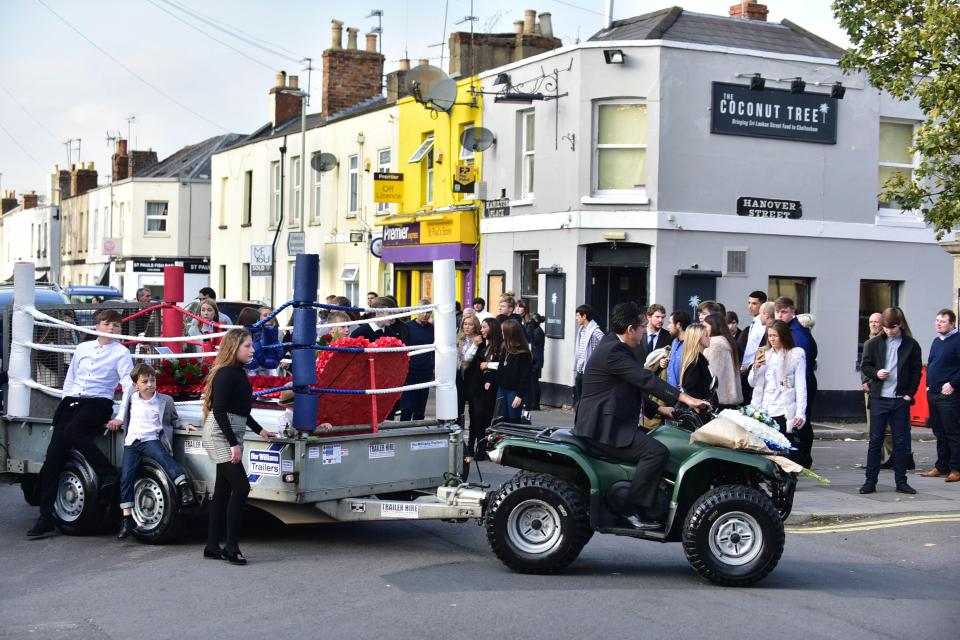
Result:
[
  {"x": 609, "y": 411},
  {"x": 656, "y": 337}
]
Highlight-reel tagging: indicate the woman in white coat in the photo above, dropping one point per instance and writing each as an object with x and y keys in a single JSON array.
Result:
[{"x": 779, "y": 379}]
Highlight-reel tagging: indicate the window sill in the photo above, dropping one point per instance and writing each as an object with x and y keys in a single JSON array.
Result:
[
  {"x": 243, "y": 225},
  {"x": 899, "y": 218},
  {"x": 522, "y": 202},
  {"x": 156, "y": 234},
  {"x": 223, "y": 226},
  {"x": 314, "y": 223},
  {"x": 620, "y": 198},
  {"x": 351, "y": 215}
]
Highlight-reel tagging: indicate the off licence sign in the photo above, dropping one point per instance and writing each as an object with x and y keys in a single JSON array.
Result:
[{"x": 387, "y": 187}]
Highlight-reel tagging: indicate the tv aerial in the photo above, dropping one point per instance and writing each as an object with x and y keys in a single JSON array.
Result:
[
  {"x": 431, "y": 87},
  {"x": 324, "y": 162},
  {"x": 477, "y": 139}
]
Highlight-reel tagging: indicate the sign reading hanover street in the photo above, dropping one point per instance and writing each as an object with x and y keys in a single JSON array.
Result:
[
  {"x": 773, "y": 113},
  {"x": 768, "y": 208}
]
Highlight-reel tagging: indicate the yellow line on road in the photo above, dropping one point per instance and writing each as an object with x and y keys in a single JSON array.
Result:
[{"x": 878, "y": 524}]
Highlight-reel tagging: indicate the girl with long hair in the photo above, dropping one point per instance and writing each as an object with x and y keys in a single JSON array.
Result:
[
  {"x": 207, "y": 309},
  {"x": 513, "y": 374},
  {"x": 695, "y": 377},
  {"x": 468, "y": 342},
  {"x": 484, "y": 396},
  {"x": 779, "y": 379},
  {"x": 724, "y": 359},
  {"x": 227, "y": 399},
  {"x": 536, "y": 339}
]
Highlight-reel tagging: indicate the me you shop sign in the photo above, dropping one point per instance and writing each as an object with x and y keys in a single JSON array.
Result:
[{"x": 773, "y": 113}]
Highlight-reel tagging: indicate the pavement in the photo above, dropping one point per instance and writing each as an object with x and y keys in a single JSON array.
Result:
[{"x": 840, "y": 453}]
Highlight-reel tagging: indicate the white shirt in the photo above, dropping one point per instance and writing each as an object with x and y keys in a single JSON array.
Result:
[
  {"x": 96, "y": 369},
  {"x": 145, "y": 419},
  {"x": 757, "y": 329}
]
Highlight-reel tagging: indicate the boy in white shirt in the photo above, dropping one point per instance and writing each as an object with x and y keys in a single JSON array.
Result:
[
  {"x": 96, "y": 368},
  {"x": 149, "y": 423}
]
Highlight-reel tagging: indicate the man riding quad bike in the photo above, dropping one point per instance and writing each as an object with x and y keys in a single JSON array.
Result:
[{"x": 607, "y": 475}]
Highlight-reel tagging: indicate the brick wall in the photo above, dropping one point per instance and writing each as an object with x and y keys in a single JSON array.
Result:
[{"x": 350, "y": 76}]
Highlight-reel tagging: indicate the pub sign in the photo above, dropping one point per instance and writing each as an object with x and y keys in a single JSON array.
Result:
[{"x": 773, "y": 113}]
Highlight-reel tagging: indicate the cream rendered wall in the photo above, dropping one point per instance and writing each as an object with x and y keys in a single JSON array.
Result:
[{"x": 327, "y": 235}]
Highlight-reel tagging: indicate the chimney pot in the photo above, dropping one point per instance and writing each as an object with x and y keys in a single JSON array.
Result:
[
  {"x": 404, "y": 64},
  {"x": 352, "y": 38},
  {"x": 281, "y": 80},
  {"x": 518, "y": 26},
  {"x": 546, "y": 25},
  {"x": 336, "y": 35},
  {"x": 294, "y": 82},
  {"x": 529, "y": 19},
  {"x": 424, "y": 61},
  {"x": 372, "y": 42}
]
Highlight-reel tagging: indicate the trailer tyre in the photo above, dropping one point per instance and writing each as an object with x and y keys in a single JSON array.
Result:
[
  {"x": 77, "y": 508},
  {"x": 537, "y": 523},
  {"x": 733, "y": 536},
  {"x": 156, "y": 505}
]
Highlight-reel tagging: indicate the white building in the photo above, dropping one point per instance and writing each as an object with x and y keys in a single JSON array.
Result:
[{"x": 29, "y": 233}]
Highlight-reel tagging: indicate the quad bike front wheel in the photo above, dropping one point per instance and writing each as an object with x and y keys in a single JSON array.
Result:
[
  {"x": 537, "y": 523},
  {"x": 733, "y": 536}
]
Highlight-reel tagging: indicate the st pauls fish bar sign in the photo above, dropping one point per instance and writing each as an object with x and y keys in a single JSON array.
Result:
[{"x": 773, "y": 113}]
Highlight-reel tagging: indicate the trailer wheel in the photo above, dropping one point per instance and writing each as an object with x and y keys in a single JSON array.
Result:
[
  {"x": 537, "y": 523},
  {"x": 156, "y": 505},
  {"x": 733, "y": 536},
  {"x": 77, "y": 507}
]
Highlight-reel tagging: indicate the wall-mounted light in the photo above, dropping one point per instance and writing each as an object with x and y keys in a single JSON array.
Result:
[
  {"x": 360, "y": 138},
  {"x": 797, "y": 85},
  {"x": 619, "y": 236},
  {"x": 614, "y": 56},
  {"x": 757, "y": 81},
  {"x": 838, "y": 90},
  {"x": 356, "y": 237},
  {"x": 502, "y": 78}
]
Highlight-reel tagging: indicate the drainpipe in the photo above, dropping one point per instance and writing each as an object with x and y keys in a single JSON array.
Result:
[{"x": 276, "y": 236}]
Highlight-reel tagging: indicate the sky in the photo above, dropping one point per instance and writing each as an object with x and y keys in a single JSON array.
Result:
[{"x": 185, "y": 78}]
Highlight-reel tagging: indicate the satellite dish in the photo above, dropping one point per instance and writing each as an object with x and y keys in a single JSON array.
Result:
[
  {"x": 477, "y": 139},
  {"x": 431, "y": 87},
  {"x": 323, "y": 162}
]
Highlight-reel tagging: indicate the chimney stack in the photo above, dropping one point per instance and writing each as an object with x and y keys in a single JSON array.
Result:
[
  {"x": 283, "y": 105},
  {"x": 140, "y": 160},
  {"x": 120, "y": 161},
  {"x": 59, "y": 185},
  {"x": 83, "y": 178},
  {"x": 350, "y": 75},
  {"x": 30, "y": 200},
  {"x": 471, "y": 54},
  {"x": 8, "y": 201},
  {"x": 749, "y": 10}
]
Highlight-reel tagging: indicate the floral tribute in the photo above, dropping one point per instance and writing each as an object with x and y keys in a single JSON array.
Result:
[{"x": 181, "y": 379}]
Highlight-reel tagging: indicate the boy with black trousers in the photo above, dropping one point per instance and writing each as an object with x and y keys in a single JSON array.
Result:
[{"x": 149, "y": 421}]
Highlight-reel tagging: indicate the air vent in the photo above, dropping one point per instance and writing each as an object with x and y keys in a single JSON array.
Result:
[{"x": 735, "y": 262}]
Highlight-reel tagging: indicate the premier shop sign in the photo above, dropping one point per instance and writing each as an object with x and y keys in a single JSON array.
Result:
[{"x": 773, "y": 113}]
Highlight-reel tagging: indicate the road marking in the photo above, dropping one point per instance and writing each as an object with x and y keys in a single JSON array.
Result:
[{"x": 878, "y": 524}]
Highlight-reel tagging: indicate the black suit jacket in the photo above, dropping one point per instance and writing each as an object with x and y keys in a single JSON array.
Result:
[
  {"x": 643, "y": 349},
  {"x": 609, "y": 409}
]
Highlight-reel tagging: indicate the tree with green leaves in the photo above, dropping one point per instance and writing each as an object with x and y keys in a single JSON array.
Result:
[{"x": 911, "y": 49}]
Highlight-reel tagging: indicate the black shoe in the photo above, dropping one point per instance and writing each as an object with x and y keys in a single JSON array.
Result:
[
  {"x": 888, "y": 464},
  {"x": 234, "y": 558},
  {"x": 643, "y": 525},
  {"x": 186, "y": 495},
  {"x": 868, "y": 487},
  {"x": 126, "y": 529},
  {"x": 903, "y": 487},
  {"x": 213, "y": 555},
  {"x": 911, "y": 464},
  {"x": 42, "y": 527}
]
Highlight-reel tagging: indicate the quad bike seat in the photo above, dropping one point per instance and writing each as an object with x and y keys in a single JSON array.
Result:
[{"x": 566, "y": 436}]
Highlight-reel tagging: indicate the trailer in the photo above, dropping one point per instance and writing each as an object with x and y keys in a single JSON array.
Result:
[{"x": 352, "y": 473}]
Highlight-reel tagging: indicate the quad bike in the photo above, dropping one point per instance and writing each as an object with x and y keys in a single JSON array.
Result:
[{"x": 727, "y": 507}]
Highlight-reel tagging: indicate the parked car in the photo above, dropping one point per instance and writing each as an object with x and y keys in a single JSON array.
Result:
[{"x": 86, "y": 294}]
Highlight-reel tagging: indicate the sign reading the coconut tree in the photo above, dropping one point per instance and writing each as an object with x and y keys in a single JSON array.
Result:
[{"x": 738, "y": 110}]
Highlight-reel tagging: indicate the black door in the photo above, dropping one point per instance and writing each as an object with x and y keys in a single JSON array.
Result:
[{"x": 609, "y": 286}]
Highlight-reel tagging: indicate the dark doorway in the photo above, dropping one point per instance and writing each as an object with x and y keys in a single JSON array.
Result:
[
  {"x": 690, "y": 288},
  {"x": 616, "y": 273}
]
